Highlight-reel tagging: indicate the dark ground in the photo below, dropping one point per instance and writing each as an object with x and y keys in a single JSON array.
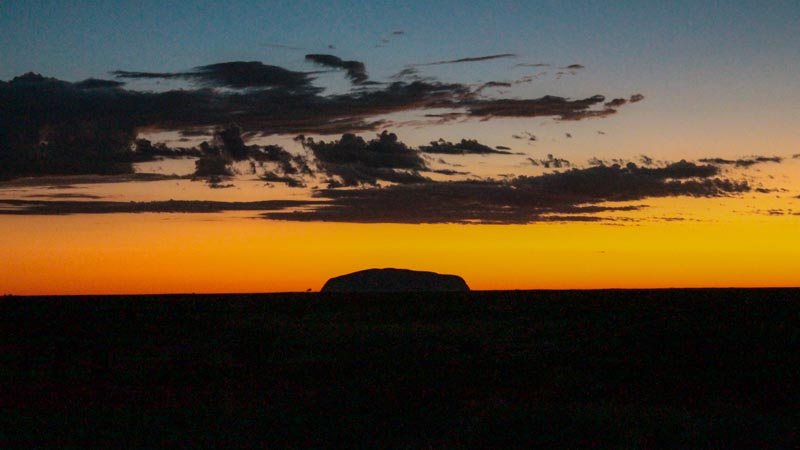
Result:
[{"x": 557, "y": 369}]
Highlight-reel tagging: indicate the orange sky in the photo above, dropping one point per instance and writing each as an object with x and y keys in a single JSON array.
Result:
[{"x": 171, "y": 253}]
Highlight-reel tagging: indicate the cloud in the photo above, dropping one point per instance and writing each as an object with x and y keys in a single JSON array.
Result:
[
  {"x": 647, "y": 161},
  {"x": 469, "y": 59},
  {"x": 574, "y": 67},
  {"x": 532, "y": 65},
  {"x": 47, "y": 207},
  {"x": 355, "y": 161},
  {"x": 71, "y": 181},
  {"x": 525, "y": 135},
  {"x": 617, "y": 102},
  {"x": 275, "y": 178},
  {"x": 449, "y": 172},
  {"x": 228, "y": 146},
  {"x": 94, "y": 83},
  {"x": 407, "y": 73},
  {"x": 356, "y": 70},
  {"x": 572, "y": 195},
  {"x": 492, "y": 84},
  {"x": 49, "y": 126},
  {"x": 234, "y": 74},
  {"x": 465, "y": 147},
  {"x": 443, "y": 202},
  {"x": 743, "y": 162},
  {"x": 560, "y": 107},
  {"x": 550, "y": 162},
  {"x": 577, "y": 194},
  {"x": 196, "y": 132},
  {"x": 65, "y": 195},
  {"x": 636, "y": 98}
]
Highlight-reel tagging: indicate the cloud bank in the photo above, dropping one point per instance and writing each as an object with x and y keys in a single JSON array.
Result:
[
  {"x": 50, "y": 126},
  {"x": 572, "y": 195}
]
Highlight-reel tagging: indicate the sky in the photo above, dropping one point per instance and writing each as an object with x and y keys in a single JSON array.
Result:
[{"x": 264, "y": 146}]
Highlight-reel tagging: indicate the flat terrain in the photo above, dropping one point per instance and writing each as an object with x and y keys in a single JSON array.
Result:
[{"x": 552, "y": 369}]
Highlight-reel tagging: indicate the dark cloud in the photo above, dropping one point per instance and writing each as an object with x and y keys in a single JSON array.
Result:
[
  {"x": 356, "y": 70},
  {"x": 560, "y": 107},
  {"x": 444, "y": 202},
  {"x": 94, "y": 83},
  {"x": 356, "y": 161},
  {"x": 550, "y": 162},
  {"x": 470, "y": 59},
  {"x": 72, "y": 181},
  {"x": 65, "y": 195},
  {"x": 449, "y": 172},
  {"x": 196, "y": 132},
  {"x": 228, "y": 146},
  {"x": 574, "y": 67},
  {"x": 525, "y": 79},
  {"x": 234, "y": 74},
  {"x": 273, "y": 177},
  {"x": 586, "y": 114},
  {"x": 743, "y": 162},
  {"x": 407, "y": 73},
  {"x": 465, "y": 147},
  {"x": 572, "y": 195},
  {"x": 277, "y": 111},
  {"x": 525, "y": 135},
  {"x": 49, "y": 126},
  {"x": 47, "y": 207},
  {"x": 595, "y": 161},
  {"x": 617, "y": 102},
  {"x": 646, "y": 160},
  {"x": 147, "y": 151},
  {"x": 636, "y": 98},
  {"x": 445, "y": 117},
  {"x": 492, "y": 84},
  {"x": 213, "y": 167},
  {"x": 532, "y": 65}
]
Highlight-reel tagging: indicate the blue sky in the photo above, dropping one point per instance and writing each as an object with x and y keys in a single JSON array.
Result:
[{"x": 75, "y": 40}]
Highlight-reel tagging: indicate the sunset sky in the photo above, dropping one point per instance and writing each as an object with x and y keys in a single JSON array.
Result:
[{"x": 264, "y": 146}]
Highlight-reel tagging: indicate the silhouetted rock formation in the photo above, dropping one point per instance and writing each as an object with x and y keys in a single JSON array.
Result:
[{"x": 395, "y": 280}]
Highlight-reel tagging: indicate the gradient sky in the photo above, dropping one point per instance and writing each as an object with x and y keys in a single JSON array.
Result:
[{"x": 719, "y": 89}]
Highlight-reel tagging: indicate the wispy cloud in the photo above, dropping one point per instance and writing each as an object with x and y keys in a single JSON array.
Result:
[
  {"x": 466, "y": 146},
  {"x": 743, "y": 162},
  {"x": 356, "y": 70},
  {"x": 577, "y": 194},
  {"x": 469, "y": 59}
]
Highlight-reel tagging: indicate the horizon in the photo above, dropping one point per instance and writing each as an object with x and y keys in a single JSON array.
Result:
[{"x": 266, "y": 148}]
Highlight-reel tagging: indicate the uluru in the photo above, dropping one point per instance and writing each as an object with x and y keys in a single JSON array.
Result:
[{"x": 395, "y": 280}]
